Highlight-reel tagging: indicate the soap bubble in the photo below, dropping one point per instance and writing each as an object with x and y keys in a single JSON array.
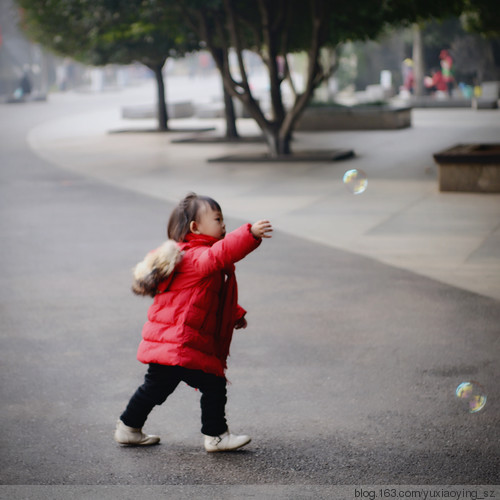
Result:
[
  {"x": 472, "y": 395},
  {"x": 355, "y": 181}
]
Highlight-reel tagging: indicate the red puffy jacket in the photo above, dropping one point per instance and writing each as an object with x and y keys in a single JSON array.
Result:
[{"x": 195, "y": 307}]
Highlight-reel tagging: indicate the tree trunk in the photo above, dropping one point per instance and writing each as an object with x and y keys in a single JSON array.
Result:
[
  {"x": 278, "y": 143},
  {"x": 418, "y": 61},
  {"x": 231, "y": 131},
  {"x": 277, "y": 130},
  {"x": 161, "y": 103}
]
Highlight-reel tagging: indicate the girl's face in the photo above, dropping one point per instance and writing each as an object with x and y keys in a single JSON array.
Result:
[{"x": 210, "y": 222}]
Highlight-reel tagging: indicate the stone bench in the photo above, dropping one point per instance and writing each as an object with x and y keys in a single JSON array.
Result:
[
  {"x": 182, "y": 109},
  {"x": 317, "y": 118},
  {"x": 469, "y": 168},
  {"x": 484, "y": 103}
]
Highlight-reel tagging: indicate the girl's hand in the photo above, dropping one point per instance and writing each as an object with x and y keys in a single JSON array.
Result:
[
  {"x": 261, "y": 229},
  {"x": 241, "y": 323}
]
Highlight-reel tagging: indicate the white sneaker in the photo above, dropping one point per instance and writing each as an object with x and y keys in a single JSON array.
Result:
[
  {"x": 132, "y": 436},
  {"x": 225, "y": 442}
]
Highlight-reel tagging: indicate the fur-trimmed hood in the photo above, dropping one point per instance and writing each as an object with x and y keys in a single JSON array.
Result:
[{"x": 156, "y": 267}]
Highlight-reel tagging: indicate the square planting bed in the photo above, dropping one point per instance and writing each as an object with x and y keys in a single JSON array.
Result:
[{"x": 470, "y": 168}]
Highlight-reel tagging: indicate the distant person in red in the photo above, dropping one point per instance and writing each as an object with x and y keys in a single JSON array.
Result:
[
  {"x": 447, "y": 70},
  {"x": 436, "y": 82},
  {"x": 408, "y": 77}
]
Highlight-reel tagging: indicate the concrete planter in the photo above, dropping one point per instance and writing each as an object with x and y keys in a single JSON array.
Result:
[
  {"x": 355, "y": 118},
  {"x": 470, "y": 168},
  {"x": 182, "y": 109}
]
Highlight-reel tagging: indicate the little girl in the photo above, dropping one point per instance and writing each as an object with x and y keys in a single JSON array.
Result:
[{"x": 191, "y": 321}]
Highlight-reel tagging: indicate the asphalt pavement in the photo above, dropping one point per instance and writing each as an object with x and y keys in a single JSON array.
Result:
[{"x": 346, "y": 375}]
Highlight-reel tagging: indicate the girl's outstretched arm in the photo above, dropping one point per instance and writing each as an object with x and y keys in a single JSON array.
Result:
[{"x": 232, "y": 248}]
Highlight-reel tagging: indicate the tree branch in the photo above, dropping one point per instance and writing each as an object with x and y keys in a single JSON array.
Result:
[
  {"x": 314, "y": 74},
  {"x": 237, "y": 44},
  {"x": 288, "y": 76},
  {"x": 269, "y": 39}
]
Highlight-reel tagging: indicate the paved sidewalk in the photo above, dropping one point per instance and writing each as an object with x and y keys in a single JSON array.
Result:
[{"x": 401, "y": 219}]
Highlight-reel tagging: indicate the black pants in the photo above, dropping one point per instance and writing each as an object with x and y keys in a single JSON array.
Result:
[{"x": 160, "y": 381}]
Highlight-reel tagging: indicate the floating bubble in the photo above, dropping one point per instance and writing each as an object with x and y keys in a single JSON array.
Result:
[
  {"x": 472, "y": 395},
  {"x": 355, "y": 181}
]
